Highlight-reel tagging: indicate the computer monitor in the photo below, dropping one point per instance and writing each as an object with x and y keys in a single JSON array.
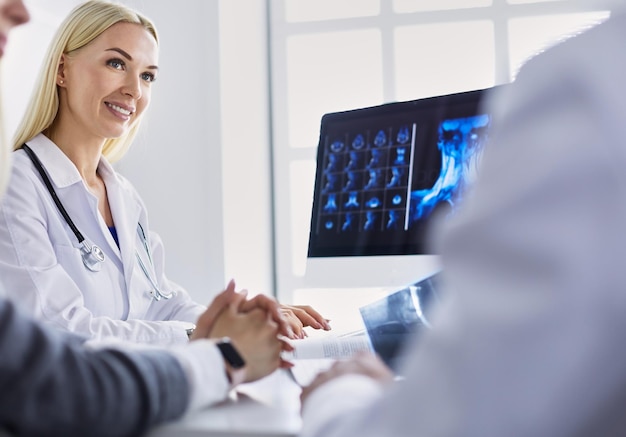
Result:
[{"x": 384, "y": 175}]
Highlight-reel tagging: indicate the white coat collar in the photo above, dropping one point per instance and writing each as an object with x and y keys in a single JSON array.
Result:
[
  {"x": 124, "y": 207},
  {"x": 60, "y": 168}
]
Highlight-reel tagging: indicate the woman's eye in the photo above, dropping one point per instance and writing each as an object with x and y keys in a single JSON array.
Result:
[
  {"x": 148, "y": 77},
  {"x": 118, "y": 64}
]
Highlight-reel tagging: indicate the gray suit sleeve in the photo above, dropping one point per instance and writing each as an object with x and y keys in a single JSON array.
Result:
[{"x": 50, "y": 385}]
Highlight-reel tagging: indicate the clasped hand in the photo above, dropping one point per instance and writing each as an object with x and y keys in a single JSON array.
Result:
[{"x": 257, "y": 327}]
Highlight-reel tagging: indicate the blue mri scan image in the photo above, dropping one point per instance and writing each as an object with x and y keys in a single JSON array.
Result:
[{"x": 460, "y": 143}]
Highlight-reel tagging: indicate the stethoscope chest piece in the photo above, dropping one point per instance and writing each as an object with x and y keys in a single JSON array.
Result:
[{"x": 93, "y": 257}]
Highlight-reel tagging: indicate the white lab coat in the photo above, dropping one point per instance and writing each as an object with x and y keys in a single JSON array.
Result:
[
  {"x": 532, "y": 341},
  {"x": 41, "y": 266}
]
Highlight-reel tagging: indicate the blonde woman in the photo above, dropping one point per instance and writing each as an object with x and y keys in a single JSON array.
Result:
[
  {"x": 51, "y": 385},
  {"x": 96, "y": 268}
]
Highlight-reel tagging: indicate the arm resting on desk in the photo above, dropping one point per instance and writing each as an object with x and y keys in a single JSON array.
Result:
[{"x": 52, "y": 386}]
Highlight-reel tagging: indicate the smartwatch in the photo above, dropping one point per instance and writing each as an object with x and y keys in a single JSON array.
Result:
[{"x": 235, "y": 363}]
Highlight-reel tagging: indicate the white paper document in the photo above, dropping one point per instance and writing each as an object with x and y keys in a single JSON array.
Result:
[
  {"x": 314, "y": 355},
  {"x": 328, "y": 347}
]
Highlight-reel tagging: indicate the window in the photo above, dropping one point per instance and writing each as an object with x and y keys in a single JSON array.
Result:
[{"x": 334, "y": 55}]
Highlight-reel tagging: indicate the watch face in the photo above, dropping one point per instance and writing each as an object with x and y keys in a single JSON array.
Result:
[{"x": 231, "y": 355}]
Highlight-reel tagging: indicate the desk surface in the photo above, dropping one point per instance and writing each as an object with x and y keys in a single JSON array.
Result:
[{"x": 266, "y": 408}]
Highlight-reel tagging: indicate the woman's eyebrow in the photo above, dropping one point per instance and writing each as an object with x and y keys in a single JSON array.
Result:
[{"x": 128, "y": 56}]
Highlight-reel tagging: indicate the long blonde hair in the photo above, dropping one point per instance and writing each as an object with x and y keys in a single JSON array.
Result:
[{"x": 84, "y": 24}]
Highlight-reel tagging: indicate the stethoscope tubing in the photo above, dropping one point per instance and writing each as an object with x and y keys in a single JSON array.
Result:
[
  {"x": 55, "y": 198},
  {"x": 156, "y": 292},
  {"x": 92, "y": 255}
]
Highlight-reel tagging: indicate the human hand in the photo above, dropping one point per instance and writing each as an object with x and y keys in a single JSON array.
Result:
[
  {"x": 207, "y": 319},
  {"x": 299, "y": 316},
  {"x": 255, "y": 335},
  {"x": 270, "y": 306},
  {"x": 291, "y": 319},
  {"x": 366, "y": 364}
]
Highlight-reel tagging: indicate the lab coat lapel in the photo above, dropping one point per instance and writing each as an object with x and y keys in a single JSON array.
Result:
[
  {"x": 81, "y": 205},
  {"x": 125, "y": 211}
]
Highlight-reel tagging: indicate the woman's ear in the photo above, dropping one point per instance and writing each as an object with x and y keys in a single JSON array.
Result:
[{"x": 61, "y": 72}]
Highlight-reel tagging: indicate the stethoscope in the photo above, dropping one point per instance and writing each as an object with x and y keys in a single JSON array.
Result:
[
  {"x": 156, "y": 291},
  {"x": 92, "y": 255}
]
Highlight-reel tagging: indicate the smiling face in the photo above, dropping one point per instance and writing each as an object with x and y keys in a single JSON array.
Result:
[{"x": 106, "y": 85}]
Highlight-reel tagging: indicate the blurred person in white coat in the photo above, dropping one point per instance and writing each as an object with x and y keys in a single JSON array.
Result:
[{"x": 530, "y": 342}]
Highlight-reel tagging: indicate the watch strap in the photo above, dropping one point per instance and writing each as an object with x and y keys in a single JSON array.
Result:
[{"x": 233, "y": 361}]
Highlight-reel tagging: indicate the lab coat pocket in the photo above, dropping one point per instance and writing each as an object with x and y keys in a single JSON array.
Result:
[
  {"x": 70, "y": 260},
  {"x": 140, "y": 298},
  {"x": 97, "y": 288}
]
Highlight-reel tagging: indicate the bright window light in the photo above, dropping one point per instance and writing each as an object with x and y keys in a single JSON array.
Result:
[
  {"x": 529, "y": 36},
  {"x": 301, "y": 179},
  {"x": 318, "y": 10},
  {"x": 407, "y": 6},
  {"x": 327, "y": 72},
  {"x": 442, "y": 58}
]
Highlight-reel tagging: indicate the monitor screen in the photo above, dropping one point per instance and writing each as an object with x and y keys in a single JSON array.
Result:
[
  {"x": 385, "y": 172},
  {"x": 384, "y": 175}
]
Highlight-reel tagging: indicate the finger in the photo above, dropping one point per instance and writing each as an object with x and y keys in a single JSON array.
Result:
[
  {"x": 306, "y": 319},
  {"x": 294, "y": 323},
  {"x": 284, "y": 364},
  {"x": 285, "y": 345},
  {"x": 244, "y": 293},
  {"x": 263, "y": 302},
  {"x": 238, "y": 300},
  {"x": 309, "y": 317},
  {"x": 311, "y": 312},
  {"x": 205, "y": 322},
  {"x": 271, "y": 306},
  {"x": 224, "y": 298},
  {"x": 259, "y": 301}
]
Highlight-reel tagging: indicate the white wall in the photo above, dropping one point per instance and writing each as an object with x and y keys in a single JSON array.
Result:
[
  {"x": 201, "y": 161},
  {"x": 176, "y": 162},
  {"x": 246, "y": 151}
]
